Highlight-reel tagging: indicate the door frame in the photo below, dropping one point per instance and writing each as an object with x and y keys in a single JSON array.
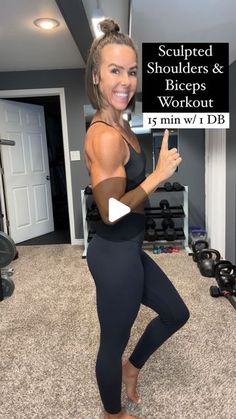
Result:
[
  {"x": 8, "y": 94},
  {"x": 215, "y": 188}
]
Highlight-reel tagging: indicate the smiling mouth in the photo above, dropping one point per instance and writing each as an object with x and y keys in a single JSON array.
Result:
[{"x": 121, "y": 94}]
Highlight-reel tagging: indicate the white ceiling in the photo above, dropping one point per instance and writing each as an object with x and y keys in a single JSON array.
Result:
[{"x": 24, "y": 47}]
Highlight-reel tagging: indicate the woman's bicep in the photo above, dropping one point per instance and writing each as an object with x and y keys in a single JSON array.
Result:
[
  {"x": 107, "y": 184},
  {"x": 108, "y": 177}
]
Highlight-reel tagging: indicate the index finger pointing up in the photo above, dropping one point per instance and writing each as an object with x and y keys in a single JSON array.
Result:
[{"x": 164, "y": 144}]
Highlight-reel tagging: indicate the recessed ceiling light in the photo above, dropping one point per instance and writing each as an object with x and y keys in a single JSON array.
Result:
[
  {"x": 46, "y": 23},
  {"x": 97, "y": 16}
]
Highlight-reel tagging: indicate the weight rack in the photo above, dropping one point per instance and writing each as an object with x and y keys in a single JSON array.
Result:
[{"x": 178, "y": 211}]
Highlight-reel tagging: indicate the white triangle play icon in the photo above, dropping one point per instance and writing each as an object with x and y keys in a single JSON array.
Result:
[{"x": 116, "y": 209}]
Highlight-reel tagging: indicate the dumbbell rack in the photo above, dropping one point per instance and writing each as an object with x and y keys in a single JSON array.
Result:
[
  {"x": 183, "y": 241},
  {"x": 180, "y": 211}
]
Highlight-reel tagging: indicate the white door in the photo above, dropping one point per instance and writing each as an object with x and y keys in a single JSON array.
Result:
[{"x": 26, "y": 170}]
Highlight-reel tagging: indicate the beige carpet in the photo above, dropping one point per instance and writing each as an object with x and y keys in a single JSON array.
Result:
[{"x": 49, "y": 338}]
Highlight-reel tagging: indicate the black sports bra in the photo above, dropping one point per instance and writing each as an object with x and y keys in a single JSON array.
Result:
[{"x": 135, "y": 167}]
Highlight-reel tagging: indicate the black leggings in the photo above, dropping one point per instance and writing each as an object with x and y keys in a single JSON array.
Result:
[{"x": 125, "y": 276}]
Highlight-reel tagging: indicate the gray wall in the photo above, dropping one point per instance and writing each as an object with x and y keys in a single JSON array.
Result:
[
  {"x": 73, "y": 83},
  {"x": 231, "y": 170},
  {"x": 192, "y": 172}
]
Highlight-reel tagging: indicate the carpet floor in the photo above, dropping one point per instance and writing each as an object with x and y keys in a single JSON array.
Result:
[{"x": 49, "y": 337}]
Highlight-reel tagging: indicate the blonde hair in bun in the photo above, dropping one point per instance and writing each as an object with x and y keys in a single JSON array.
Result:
[{"x": 111, "y": 35}]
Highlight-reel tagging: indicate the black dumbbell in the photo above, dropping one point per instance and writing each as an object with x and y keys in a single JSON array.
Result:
[
  {"x": 167, "y": 223},
  {"x": 214, "y": 291},
  {"x": 177, "y": 186},
  {"x": 150, "y": 230},
  {"x": 168, "y": 186},
  {"x": 93, "y": 213},
  {"x": 88, "y": 190},
  {"x": 168, "y": 226},
  {"x": 165, "y": 206}
]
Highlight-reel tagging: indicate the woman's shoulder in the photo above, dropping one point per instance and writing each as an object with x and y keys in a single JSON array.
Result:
[
  {"x": 102, "y": 134},
  {"x": 103, "y": 139}
]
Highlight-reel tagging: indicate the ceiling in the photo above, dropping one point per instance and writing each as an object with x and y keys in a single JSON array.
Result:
[{"x": 24, "y": 47}]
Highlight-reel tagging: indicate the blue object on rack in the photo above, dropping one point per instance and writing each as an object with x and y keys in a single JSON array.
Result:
[{"x": 197, "y": 233}]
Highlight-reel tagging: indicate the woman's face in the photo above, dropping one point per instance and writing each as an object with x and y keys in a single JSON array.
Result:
[{"x": 117, "y": 77}]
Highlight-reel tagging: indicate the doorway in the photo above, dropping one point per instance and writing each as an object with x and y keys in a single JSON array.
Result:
[
  {"x": 56, "y": 160},
  {"x": 58, "y": 154}
]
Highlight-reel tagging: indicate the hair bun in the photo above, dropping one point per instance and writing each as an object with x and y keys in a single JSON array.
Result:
[{"x": 109, "y": 26}]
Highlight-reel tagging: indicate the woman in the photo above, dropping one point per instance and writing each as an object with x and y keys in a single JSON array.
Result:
[{"x": 125, "y": 276}]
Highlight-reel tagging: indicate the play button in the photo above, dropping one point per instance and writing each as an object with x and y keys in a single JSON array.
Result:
[
  {"x": 116, "y": 209},
  {"x": 123, "y": 224}
]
